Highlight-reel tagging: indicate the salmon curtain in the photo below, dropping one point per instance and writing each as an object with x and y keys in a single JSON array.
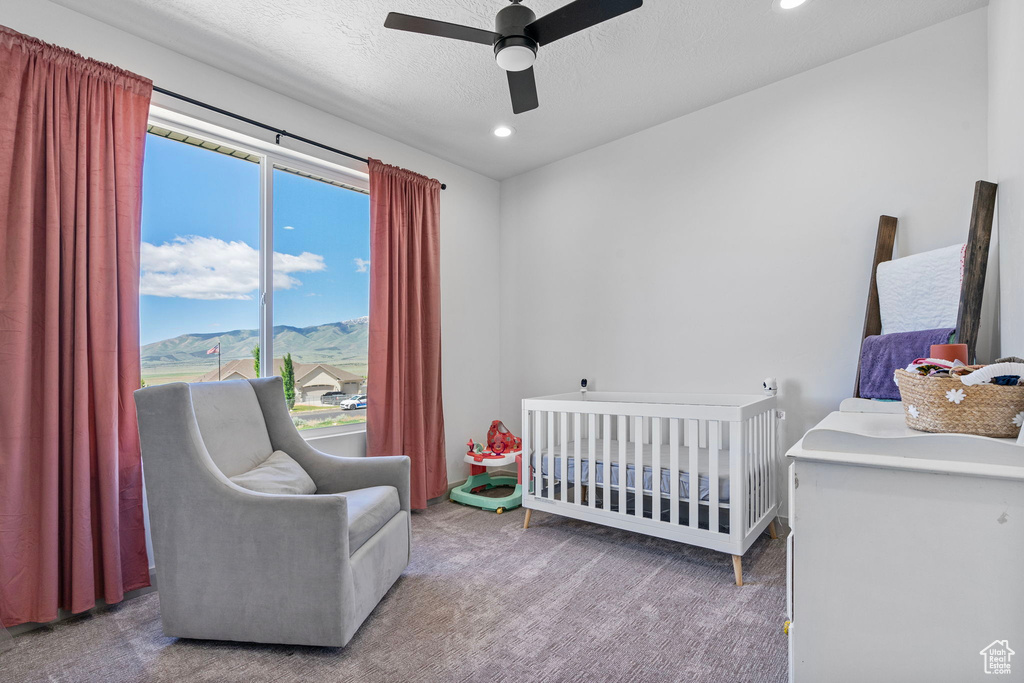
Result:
[
  {"x": 404, "y": 415},
  {"x": 72, "y": 135}
]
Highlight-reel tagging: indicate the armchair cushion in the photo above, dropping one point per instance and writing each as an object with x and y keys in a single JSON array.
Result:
[
  {"x": 277, "y": 474},
  {"x": 232, "y": 424},
  {"x": 369, "y": 510}
]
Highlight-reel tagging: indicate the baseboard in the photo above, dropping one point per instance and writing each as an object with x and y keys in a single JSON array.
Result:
[{"x": 63, "y": 615}]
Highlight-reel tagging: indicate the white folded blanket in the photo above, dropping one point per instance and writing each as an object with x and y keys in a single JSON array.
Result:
[{"x": 921, "y": 292}]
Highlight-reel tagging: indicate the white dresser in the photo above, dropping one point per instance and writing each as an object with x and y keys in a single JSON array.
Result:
[{"x": 906, "y": 556}]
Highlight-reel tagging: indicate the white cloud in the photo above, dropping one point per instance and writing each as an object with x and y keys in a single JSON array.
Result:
[
  {"x": 361, "y": 265},
  {"x": 289, "y": 227},
  {"x": 195, "y": 267}
]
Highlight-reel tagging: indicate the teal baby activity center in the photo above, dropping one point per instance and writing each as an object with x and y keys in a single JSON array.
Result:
[{"x": 503, "y": 448}]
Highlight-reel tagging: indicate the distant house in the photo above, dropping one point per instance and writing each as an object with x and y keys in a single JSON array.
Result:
[{"x": 312, "y": 380}]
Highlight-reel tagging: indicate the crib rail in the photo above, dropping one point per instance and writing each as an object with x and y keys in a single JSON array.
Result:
[{"x": 690, "y": 471}]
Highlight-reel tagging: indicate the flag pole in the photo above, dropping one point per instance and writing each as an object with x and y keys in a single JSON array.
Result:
[{"x": 218, "y": 359}]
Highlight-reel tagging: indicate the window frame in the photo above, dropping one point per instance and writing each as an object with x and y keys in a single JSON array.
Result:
[{"x": 271, "y": 155}]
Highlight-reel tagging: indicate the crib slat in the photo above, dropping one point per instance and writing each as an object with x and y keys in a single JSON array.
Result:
[
  {"x": 577, "y": 487},
  {"x": 551, "y": 454},
  {"x": 623, "y": 439},
  {"x": 592, "y": 459},
  {"x": 656, "y": 468},
  {"x": 673, "y": 470},
  {"x": 763, "y": 440},
  {"x": 693, "y": 473},
  {"x": 767, "y": 468},
  {"x": 773, "y": 456},
  {"x": 713, "y": 446},
  {"x": 737, "y": 481},
  {"x": 755, "y": 447},
  {"x": 752, "y": 471},
  {"x": 764, "y": 464},
  {"x": 763, "y": 469},
  {"x": 638, "y": 466},
  {"x": 564, "y": 463},
  {"x": 756, "y": 478},
  {"x": 538, "y": 453},
  {"x": 606, "y": 462},
  {"x": 524, "y": 460}
]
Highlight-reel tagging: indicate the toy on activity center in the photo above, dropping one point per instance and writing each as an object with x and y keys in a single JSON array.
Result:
[{"x": 503, "y": 448}]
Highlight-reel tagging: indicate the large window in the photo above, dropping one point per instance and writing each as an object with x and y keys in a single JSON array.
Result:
[
  {"x": 321, "y": 324},
  {"x": 254, "y": 264}
]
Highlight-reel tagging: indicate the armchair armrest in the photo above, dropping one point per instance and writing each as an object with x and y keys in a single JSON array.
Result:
[
  {"x": 256, "y": 553},
  {"x": 331, "y": 473}
]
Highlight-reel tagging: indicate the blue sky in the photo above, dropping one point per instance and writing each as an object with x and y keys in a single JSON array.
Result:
[{"x": 200, "y": 233}]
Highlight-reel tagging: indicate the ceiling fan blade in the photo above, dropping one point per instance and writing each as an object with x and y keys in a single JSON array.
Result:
[
  {"x": 577, "y": 16},
  {"x": 433, "y": 27},
  {"x": 523, "y": 88}
]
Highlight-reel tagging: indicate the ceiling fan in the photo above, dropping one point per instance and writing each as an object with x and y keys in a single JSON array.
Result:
[{"x": 517, "y": 34}]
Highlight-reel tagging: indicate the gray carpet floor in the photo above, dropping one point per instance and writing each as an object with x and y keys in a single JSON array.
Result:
[{"x": 483, "y": 600}]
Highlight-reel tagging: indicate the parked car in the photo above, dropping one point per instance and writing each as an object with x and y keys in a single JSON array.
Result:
[
  {"x": 354, "y": 402},
  {"x": 333, "y": 398}
]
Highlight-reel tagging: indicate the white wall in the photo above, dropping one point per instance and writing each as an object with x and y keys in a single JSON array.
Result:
[
  {"x": 1006, "y": 160},
  {"x": 469, "y": 207},
  {"x": 736, "y": 242}
]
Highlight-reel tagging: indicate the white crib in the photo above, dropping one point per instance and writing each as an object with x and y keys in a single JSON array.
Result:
[{"x": 577, "y": 446}]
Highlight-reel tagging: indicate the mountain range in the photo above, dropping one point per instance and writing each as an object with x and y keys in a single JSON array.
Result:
[{"x": 341, "y": 343}]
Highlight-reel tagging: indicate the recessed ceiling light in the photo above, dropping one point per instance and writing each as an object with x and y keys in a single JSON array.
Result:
[
  {"x": 787, "y": 4},
  {"x": 504, "y": 131}
]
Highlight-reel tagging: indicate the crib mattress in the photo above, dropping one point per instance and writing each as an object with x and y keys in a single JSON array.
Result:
[{"x": 703, "y": 479}]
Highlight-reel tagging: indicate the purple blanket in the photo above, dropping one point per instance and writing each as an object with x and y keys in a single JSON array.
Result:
[{"x": 882, "y": 354}]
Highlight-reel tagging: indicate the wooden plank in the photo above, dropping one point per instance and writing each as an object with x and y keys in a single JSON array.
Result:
[
  {"x": 673, "y": 487},
  {"x": 693, "y": 473},
  {"x": 713, "y": 446},
  {"x": 885, "y": 240},
  {"x": 979, "y": 238},
  {"x": 592, "y": 459}
]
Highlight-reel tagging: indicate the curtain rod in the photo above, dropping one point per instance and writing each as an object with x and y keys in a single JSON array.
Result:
[{"x": 279, "y": 132}]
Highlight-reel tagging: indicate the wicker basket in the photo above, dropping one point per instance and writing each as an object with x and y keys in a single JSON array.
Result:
[{"x": 945, "y": 404}]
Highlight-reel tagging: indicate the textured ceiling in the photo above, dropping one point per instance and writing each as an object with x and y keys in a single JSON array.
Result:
[{"x": 666, "y": 59}]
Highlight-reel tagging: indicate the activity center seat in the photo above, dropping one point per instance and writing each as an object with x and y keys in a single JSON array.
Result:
[{"x": 503, "y": 449}]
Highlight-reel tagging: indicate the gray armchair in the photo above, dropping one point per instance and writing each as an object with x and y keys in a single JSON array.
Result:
[{"x": 234, "y": 564}]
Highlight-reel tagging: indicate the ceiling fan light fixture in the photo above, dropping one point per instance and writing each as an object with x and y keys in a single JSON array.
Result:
[
  {"x": 515, "y": 58},
  {"x": 504, "y": 131},
  {"x": 782, "y": 5},
  {"x": 515, "y": 53}
]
